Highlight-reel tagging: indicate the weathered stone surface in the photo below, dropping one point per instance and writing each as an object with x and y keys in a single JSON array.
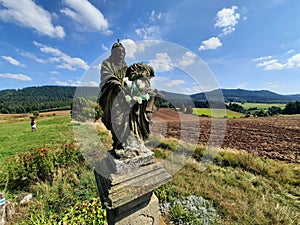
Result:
[
  {"x": 124, "y": 165},
  {"x": 128, "y": 196},
  {"x": 145, "y": 213},
  {"x": 119, "y": 189}
]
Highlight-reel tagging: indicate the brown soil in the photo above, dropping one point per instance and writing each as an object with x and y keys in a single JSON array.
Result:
[
  {"x": 276, "y": 137},
  {"x": 41, "y": 113}
]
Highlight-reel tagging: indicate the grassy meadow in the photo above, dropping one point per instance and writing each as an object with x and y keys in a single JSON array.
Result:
[
  {"x": 263, "y": 106},
  {"x": 16, "y": 135},
  {"x": 238, "y": 188},
  {"x": 217, "y": 113}
]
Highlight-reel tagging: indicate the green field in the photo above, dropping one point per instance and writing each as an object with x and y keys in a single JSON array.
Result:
[
  {"x": 263, "y": 106},
  {"x": 241, "y": 188},
  {"x": 16, "y": 135},
  {"x": 216, "y": 113}
]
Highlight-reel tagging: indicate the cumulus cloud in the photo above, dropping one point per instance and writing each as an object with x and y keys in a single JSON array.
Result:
[
  {"x": 227, "y": 18},
  {"x": 28, "y": 14},
  {"x": 212, "y": 43},
  {"x": 274, "y": 64},
  {"x": 271, "y": 65},
  {"x": 66, "y": 61},
  {"x": 132, "y": 47},
  {"x": 85, "y": 14},
  {"x": 187, "y": 59},
  {"x": 12, "y": 61},
  {"x": 16, "y": 76},
  {"x": 162, "y": 62}
]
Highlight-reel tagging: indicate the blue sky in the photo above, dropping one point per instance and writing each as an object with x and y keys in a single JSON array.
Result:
[{"x": 251, "y": 44}]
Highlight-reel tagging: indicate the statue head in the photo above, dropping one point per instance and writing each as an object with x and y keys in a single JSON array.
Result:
[{"x": 118, "y": 52}]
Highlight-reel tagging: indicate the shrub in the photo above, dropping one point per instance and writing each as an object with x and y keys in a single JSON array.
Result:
[
  {"x": 87, "y": 212},
  {"x": 37, "y": 165}
]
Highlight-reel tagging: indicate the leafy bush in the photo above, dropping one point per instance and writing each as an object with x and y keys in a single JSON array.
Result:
[
  {"x": 87, "y": 212},
  {"x": 37, "y": 165}
]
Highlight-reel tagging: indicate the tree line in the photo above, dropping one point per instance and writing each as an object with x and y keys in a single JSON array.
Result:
[
  {"x": 289, "y": 109},
  {"x": 31, "y": 99},
  {"x": 47, "y": 98}
]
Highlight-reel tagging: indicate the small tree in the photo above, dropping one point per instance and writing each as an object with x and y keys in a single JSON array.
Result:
[
  {"x": 83, "y": 110},
  {"x": 36, "y": 114},
  {"x": 189, "y": 110}
]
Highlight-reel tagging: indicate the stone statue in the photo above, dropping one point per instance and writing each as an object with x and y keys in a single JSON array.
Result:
[{"x": 127, "y": 101}]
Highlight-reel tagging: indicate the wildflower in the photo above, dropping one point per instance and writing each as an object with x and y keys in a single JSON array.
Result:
[
  {"x": 128, "y": 98},
  {"x": 147, "y": 97},
  {"x": 138, "y": 99},
  {"x": 127, "y": 81}
]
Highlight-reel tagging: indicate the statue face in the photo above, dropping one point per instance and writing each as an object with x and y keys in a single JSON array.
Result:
[{"x": 118, "y": 54}]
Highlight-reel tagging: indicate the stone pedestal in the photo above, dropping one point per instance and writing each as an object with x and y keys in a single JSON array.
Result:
[{"x": 126, "y": 189}]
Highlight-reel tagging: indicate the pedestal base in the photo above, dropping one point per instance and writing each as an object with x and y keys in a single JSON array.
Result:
[
  {"x": 144, "y": 213},
  {"x": 128, "y": 197}
]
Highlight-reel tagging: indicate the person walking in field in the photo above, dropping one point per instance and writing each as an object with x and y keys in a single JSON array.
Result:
[{"x": 33, "y": 124}]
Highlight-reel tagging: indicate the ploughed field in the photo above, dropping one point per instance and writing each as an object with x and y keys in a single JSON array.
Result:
[{"x": 276, "y": 137}]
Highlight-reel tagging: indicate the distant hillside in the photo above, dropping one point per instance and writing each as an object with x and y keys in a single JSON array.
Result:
[
  {"x": 46, "y": 98},
  {"x": 240, "y": 95},
  {"x": 35, "y": 99},
  {"x": 43, "y": 98}
]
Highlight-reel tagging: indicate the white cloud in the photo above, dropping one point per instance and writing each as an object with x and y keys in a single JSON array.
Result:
[
  {"x": 75, "y": 83},
  {"x": 152, "y": 28},
  {"x": 16, "y": 76},
  {"x": 227, "y": 18},
  {"x": 193, "y": 90},
  {"x": 150, "y": 32},
  {"x": 292, "y": 62},
  {"x": 290, "y": 51},
  {"x": 104, "y": 47},
  {"x": 271, "y": 65},
  {"x": 262, "y": 58},
  {"x": 133, "y": 47},
  {"x": 67, "y": 62},
  {"x": 174, "y": 83},
  {"x": 187, "y": 59},
  {"x": 12, "y": 61},
  {"x": 155, "y": 16},
  {"x": 212, "y": 43},
  {"x": 31, "y": 56},
  {"x": 27, "y": 13},
  {"x": 161, "y": 63},
  {"x": 87, "y": 15}
]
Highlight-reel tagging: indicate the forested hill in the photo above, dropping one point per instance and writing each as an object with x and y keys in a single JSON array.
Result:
[
  {"x": 46, "y": 98},
  {"x": 36, "y": 99},
  {"x": 240, "y": 95}
]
